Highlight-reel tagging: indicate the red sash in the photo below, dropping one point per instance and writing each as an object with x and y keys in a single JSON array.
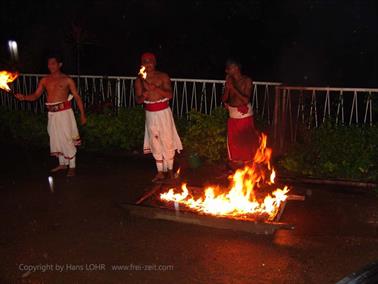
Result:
[
  {"x": 59, "y": 107},
  {"x": 156, "y": 106}
]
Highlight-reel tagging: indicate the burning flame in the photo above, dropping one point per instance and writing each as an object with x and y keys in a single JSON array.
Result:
[
  {"x": 5, "y": 78},
  {"x": 143, "y": 72},
  {"x": 247, "y": 195},
  {"x": 177, "y": 173}
]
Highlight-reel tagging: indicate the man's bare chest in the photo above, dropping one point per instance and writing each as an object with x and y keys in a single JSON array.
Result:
[
  {"x": 155, "y": 81},
  {"x": 56, "y": 86}
]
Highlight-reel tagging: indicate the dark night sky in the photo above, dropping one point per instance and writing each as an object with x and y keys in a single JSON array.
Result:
[{"x": 308, "y": 42}]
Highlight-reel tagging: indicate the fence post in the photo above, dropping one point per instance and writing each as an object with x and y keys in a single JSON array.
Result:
[{"x": 118, "y": 93}]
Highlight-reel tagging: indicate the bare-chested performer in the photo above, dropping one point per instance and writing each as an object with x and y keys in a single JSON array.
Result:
[
  {"x": 161, "y": 138},
  {"x": 62, "y": 128},
  {"x": 242, "y": 137}
]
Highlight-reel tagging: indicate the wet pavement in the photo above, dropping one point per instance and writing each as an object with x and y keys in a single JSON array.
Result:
[{"x": 75, "y": 232}]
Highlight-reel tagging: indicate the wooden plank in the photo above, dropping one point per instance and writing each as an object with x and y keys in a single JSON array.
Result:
[
  {"x": 149, "y": 193},
  {"x": 296, "y": 197},
  {"x": 266, "y": 228},
  {"x": 159, "y": 186},
  {"x": 368, "y": 185},
  {"x": 280, "y": 212}
]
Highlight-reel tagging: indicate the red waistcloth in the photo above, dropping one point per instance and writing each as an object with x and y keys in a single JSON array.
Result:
[
  {"x": 242, "y": 139},
  {"x": 156, "y": 106},
  {"x": 59, "y": 107}
]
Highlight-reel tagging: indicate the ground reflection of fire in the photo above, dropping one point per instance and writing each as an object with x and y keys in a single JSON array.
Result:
[{"x": 251, "y": 194}]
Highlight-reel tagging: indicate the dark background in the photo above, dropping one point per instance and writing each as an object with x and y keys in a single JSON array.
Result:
[{"x": 298, "y": 42}]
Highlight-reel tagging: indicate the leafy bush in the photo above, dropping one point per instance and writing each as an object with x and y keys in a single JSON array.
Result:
[
  {"x": 103, "y": 132},
  {"x": 124, "y": 131},
  {"x": 343, "y": 152},
  {"x": 182, "y": 126},
  {"x": 24, "y": 128},
  {"x": 206, "y": 135}
]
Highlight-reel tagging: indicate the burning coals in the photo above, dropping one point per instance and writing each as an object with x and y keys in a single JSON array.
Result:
[{"x": 250, "y": 195}]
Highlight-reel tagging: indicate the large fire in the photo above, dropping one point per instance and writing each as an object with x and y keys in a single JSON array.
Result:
[
  {"x": 5, "y": 78},
  {"x": 251, "y": 193}
]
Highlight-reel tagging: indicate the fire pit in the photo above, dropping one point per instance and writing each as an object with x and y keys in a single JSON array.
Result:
[{"x": 252, "y": 202}]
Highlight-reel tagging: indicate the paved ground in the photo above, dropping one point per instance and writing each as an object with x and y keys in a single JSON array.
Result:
[{"x": 80, "y": 224}]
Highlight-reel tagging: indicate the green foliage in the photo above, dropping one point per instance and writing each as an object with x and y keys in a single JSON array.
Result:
[
  {"x": 103, "y": 132},
  {"x": 343, "y": 152},
  {"x": 182, "y": 126},
  {"x": 339, "y": 152},
  {"x": 124, "y": 131},
  {"x": 203, "y": 136},
  {"x": 24, "y": 128},
  {"x": 206, "y": 135}
]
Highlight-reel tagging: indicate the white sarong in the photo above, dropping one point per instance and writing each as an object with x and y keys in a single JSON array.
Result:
[
  {"x": 161, "y": 138},
  {"x": 63, "y": 132}
]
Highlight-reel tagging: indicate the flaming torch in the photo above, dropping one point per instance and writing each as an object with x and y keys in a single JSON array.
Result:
[
  {"x": 5, "y": 78},
  {"x": 143, "y": 72}
]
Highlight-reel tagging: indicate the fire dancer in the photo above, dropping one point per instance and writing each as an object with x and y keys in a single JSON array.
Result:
[
  {"x": 62, "y": 127},
  {"x": 153, "y": 89},
  {"x": 242, "y": 137}
]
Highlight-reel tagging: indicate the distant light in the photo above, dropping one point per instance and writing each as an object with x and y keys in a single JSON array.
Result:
[
  {"x": 12, "y": 45},
  {"x": 13, "y": 49},
  {"x": 51, "y": 183}
]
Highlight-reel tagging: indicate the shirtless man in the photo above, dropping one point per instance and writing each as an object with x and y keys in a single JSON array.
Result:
[
  {"x": 62, "y": 128},
  {"x": 160, "y": 138},
  {"x": 242, "y": 137}
]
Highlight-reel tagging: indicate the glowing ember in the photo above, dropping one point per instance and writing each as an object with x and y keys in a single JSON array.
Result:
[
  {"x": 143, "y": 72},
  {"x": 5, "y": 78},
  {"x": 250, "y": 194}
]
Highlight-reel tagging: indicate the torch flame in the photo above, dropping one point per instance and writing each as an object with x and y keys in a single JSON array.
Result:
[
  {"x": 177, "y": 173},
  {"x": 143, "y": 72},
  {"x": 246, "y": 196},
  {"x": 5, "y": 78}
]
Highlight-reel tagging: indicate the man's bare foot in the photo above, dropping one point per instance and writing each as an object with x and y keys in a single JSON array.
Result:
[
  {"x": 160, "y": 176},
  {"x": 71, "y": 172},
  {"x": 59, "y": 168}
]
